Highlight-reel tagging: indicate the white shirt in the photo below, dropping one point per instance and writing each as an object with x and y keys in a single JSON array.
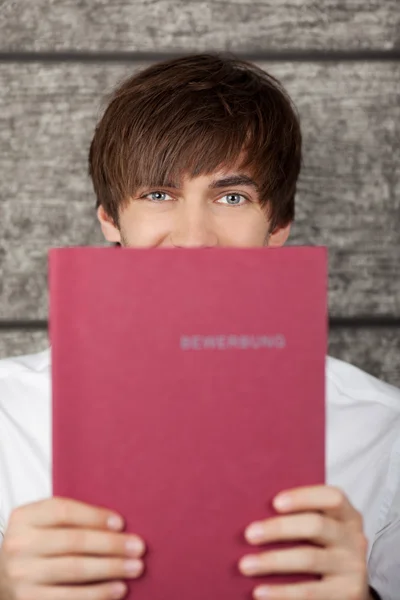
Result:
[{"x": 362, "y": 450}]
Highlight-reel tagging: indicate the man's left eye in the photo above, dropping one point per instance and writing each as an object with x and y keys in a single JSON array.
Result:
[{"x": 233, "y": 199}]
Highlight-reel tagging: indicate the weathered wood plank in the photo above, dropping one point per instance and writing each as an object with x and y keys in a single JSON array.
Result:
[
  {"x": 349, "y": 193},
  {"x": 235, "y": 25},
  {"x": 20, "y": 342},
  {"x": 374, "y": 350}
]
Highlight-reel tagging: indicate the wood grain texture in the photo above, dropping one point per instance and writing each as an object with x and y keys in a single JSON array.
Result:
[
  {"x": 375, "y": 351},
  {"x": 349, "y": 192},
  {"x": 235, "y": 25},
  {"x": 20, "y": 342}
]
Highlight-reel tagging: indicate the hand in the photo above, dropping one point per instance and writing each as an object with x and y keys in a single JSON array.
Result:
[
  {"x": 51, "y": 546},
  {"x": 322, "y": 515}
]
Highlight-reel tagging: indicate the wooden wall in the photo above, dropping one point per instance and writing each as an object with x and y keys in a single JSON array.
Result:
[{"x": 339, "y": 61}]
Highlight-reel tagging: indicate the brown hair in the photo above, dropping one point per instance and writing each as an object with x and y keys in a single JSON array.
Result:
[{"x": 193, "y": 115}]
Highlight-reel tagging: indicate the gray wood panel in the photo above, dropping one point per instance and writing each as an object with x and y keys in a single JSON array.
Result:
[
  {"x": 349, "y": 193},
  {"x": 234, "y": 25},
  {"x": 20, "y": 342},
  {"x": 376, "y": 351}
]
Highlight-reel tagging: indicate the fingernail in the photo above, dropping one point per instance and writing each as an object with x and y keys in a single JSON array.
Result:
[
  {"x": 115, "y": 522},
  {"x": 254, "y": 533},
  {"x": 133, "y": 567},
  {"x": 261, "y": 593},
  {"x": 282, "y": 502},
  {"x": 248, "y": 565},
  {"x": 118, "y": 590},
  {"x": 134, "y": 546}
]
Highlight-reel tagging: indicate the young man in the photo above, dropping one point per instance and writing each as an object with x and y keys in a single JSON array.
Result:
[{"x": 203, "y": 151}]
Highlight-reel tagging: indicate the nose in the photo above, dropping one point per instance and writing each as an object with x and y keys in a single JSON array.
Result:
[{"x": 193, "y": 229}]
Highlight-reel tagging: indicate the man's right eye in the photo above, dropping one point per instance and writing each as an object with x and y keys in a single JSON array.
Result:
[{"x": 156, "y": 196}]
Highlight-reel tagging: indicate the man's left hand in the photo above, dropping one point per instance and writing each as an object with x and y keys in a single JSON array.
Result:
[{"x": 321, "y": 515}]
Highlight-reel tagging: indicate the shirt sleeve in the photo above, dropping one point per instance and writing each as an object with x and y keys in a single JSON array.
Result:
[
  {"x": 384, "y": 560},
  {"x": 384, "y": 563}
]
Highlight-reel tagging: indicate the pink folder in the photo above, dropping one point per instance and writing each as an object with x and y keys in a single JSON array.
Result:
[{"x": 188, "y": 389}]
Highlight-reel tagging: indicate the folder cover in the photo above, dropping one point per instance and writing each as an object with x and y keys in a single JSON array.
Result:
[{"x": 188, "y": 388}]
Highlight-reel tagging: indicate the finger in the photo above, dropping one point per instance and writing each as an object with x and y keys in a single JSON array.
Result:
[
  {"x": 77, "y": 569},
  {"x": 56, "y": 542},
  {"x": 304, "y": 559},
  {"x": 63, "y": 512},
  {"x": 332, "y": 501},
  {"x": 314, "y": 526},
  {"x": 318, "y": 590},
  {"x": 102, "y": 591}
]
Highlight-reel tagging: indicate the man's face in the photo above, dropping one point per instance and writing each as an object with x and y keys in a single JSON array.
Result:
[{"x": 221, "y": 209}]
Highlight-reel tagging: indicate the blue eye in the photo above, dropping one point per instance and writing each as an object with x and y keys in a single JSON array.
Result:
[
  {"x": 156, "y": 196},
  {"x": 233, "y": 199},
  {"x": 228, "y": 199}
]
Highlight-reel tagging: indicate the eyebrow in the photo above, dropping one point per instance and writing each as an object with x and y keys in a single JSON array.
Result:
[
  {"x": 229, "y": 181},
  {"x": 232, "y": 181}
]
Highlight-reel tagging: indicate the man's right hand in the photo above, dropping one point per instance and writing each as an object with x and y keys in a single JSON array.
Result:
[{"x": 52, "y": 548}]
